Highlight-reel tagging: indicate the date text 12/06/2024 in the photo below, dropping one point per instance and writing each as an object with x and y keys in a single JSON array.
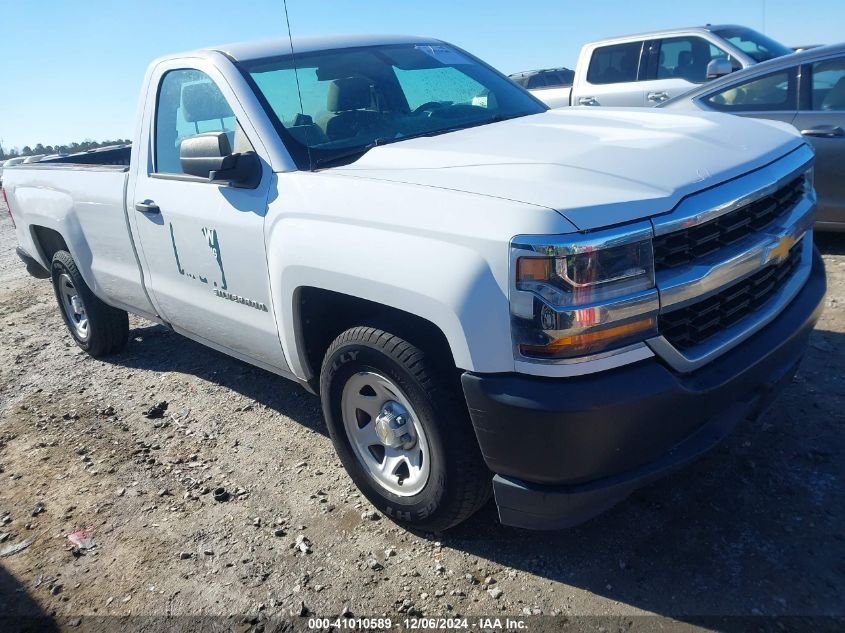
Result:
[{"x": 421, "y": 623}]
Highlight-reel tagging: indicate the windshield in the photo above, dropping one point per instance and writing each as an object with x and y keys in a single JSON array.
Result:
[
  {"x": 756, "y": 45},
  {"x": 350, "y": 100}
]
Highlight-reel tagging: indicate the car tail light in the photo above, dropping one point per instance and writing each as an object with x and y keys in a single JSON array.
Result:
[{"x": 8, "y": 208}]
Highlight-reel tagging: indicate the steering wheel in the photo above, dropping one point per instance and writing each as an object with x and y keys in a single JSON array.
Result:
[{"x": 429, "y": 105}]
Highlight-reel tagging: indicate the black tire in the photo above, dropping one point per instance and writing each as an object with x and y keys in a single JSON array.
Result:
[
  {"x": 108, "y": 327},
  {"x": 459, "y": 482}
]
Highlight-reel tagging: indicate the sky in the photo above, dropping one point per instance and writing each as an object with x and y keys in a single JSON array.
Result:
[{"x": 71, "y": 70}]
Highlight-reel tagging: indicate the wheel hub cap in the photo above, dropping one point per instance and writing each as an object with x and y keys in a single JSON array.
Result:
[
  {"x": 76, "y": 302},
  {"x": 385, "y": 435},
  {"x": 73, "y": 306},
  {"x": 394, "y": 427}
]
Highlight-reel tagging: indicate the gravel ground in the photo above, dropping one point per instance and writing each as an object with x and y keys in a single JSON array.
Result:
[{"x": 755, "y": 528}]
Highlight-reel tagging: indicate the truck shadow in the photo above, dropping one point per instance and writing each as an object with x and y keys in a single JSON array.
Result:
[
  {"x": 755, "y": 527},
  {"x": 155, "y": 348},
  {"x": 19, "y": 612}
]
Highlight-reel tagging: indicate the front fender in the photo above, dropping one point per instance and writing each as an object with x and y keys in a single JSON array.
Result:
[{"x": 450, "y": 285}]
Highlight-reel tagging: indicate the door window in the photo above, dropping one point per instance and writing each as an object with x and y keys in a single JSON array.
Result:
[
  {"x": 761, "y": 94},
  {"x": 686, "y": 58},
  {"x": 829, "y": 85},
  {"x": 189, "y": 103},
  {"x": 618, "y": 63}
]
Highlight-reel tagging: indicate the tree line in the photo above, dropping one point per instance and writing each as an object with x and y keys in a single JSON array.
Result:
[{"x": 71, "y": 148}]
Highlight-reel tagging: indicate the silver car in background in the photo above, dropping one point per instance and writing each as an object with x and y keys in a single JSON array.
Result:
[{"x": 806, "y": 89}]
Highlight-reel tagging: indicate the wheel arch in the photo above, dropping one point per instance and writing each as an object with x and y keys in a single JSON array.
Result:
[
  {"x": 321, "y": 315},
  {"x": 48, "y": 241}
]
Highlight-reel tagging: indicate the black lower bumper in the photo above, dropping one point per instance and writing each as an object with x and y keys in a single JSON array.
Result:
[
  {"x": 564, "y": 450},
  {"x": 32, "y": 266}
]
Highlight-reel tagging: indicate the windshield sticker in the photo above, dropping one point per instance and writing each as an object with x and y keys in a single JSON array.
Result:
[{"x": 444, "y": 54}]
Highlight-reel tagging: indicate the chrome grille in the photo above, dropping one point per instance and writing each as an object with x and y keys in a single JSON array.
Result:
[
  {"x": 687, "y": 245},
  {"x": 694, "y": 324}
]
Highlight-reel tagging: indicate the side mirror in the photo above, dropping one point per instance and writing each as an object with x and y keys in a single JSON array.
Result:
[
  {"x": 210, "y": 156},
  {"x": 719, "y": 68}
]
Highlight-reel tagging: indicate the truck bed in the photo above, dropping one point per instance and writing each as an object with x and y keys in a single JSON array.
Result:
[
  {"x": 104, "y": 157},
  {"x": 84, "y": 203}
]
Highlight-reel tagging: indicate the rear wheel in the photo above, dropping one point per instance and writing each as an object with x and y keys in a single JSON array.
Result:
[
  {"x": 403, "y": 436},
  {"x": 96, "y": 327}
]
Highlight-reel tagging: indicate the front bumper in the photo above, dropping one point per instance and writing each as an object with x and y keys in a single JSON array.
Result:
[{"x": 564, "y": 450}]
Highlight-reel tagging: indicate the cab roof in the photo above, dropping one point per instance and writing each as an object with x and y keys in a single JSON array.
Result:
[
  {"x": 245, "y": 51},
  {"x": 659, "y": 33}
]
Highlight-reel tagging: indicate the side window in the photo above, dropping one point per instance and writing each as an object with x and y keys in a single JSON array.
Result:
[
  {"x": 566, "y": 77},
  {"x": 762, "y": 94},
  {"x": 829, "y": 85},
  {"x": 189, "y": 103},
  {"x": 619, "y": 63},
  {"x": 686, "y": 58}
]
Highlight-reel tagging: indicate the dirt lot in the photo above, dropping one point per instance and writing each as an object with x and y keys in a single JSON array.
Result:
[{"x": 756, "y": 528}]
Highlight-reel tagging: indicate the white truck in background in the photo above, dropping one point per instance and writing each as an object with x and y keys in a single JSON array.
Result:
[
  {"x": 558, "y": 306},
  {"x": 649, "y": 68}
]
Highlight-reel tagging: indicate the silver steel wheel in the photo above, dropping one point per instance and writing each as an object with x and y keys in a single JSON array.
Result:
[
  {"x": 385, "y": 433},
  {"x": 73, "y": 306}
]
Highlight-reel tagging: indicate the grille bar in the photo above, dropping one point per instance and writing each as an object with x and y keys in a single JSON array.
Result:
[
  {"x": 687, "y": 245},
  {"x": 694, "y": 324}
]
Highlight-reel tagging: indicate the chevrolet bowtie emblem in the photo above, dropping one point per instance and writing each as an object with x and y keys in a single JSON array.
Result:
[{"x": 780, "y": 251}]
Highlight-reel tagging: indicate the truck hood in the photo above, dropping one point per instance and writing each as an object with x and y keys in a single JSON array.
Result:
[{"x": 595, "y": 166}]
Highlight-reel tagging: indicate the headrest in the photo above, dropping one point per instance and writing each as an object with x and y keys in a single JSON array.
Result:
[
  {"x": 684, "y": 58},
  {"x": 204, "y": 102},
  {"x": 351, "y": 93}
]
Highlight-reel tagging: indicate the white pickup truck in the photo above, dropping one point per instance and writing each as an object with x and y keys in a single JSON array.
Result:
[
  {"x": 649, "y": 68},
  {"x": 558, "y": 306}
]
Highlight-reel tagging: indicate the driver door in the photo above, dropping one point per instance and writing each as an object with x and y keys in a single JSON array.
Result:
[{"x": 203, "y": 242}]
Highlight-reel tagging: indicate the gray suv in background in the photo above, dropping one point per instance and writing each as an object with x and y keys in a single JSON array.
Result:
[
  {"x": 552, "y": 85},
  {"x": 547, "y": 78},
  {"x": 805, "y": 89}
]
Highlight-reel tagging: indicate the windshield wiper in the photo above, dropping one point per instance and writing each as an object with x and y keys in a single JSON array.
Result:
[
  {"x": 363, "y": 149},
  {"x": 496, "y": 118},
  {"x": 352, "y": 152}
]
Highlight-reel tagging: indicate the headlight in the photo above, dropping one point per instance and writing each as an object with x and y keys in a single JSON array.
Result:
[
  {"x": 584, "y": 294},
  {"x": 809, "y": 180}
]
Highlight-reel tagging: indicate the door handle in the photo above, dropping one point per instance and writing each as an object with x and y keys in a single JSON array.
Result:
[
  {"x": 588, "y": 101},
  {"x": 824, "y": 131},
  {"x": 657, "y": 96},
  {"x": 147, "y": 206}
]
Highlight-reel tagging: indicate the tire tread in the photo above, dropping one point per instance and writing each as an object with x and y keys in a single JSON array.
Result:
[{"x": 109, "y": 326}]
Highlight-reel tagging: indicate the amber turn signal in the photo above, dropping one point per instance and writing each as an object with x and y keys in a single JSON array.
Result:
[
  {"x": 589, "y": 341},
  {"x": 533, "y": 268}
]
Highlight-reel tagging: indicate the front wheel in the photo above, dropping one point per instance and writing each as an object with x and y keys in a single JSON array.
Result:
[
  {"x": 96, "y": 327},
  {"x": 403, "y": 436}
]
